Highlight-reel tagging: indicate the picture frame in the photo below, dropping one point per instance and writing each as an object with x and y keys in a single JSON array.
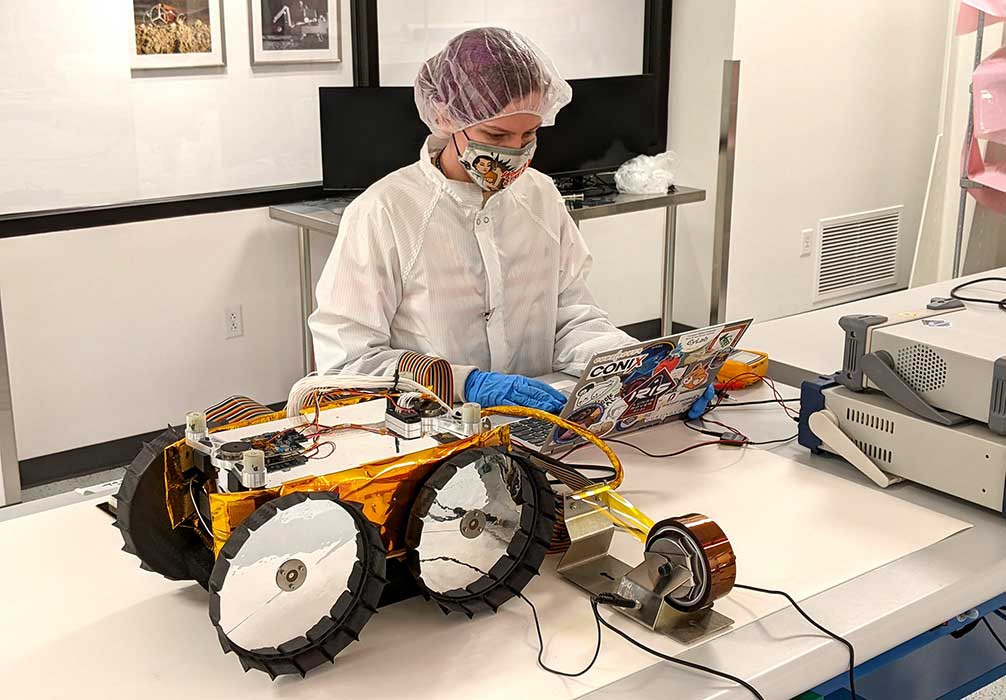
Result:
[
  {"x": 177, "y": 34},
  {"x": 295, "y": 31}
]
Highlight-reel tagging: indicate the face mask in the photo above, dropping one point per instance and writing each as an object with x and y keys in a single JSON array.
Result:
[{"x": 494, "y": 167}]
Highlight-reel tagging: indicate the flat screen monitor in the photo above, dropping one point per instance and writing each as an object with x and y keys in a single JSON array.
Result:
[
  {"x": 609, "y": 121},
  {"x": 367, "y": 133}
]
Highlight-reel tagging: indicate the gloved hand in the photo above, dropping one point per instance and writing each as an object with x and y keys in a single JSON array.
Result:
[
  {"x": 498, "y": 389},
  {"x": 700, "y": 404}
]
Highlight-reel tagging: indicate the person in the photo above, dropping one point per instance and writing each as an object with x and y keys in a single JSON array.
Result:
[{"x": 473, "y": 284}]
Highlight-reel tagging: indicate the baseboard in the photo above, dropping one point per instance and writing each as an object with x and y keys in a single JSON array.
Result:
[
  {"x": 90, "y": 459},
  {"x": 82, "y": 461}
]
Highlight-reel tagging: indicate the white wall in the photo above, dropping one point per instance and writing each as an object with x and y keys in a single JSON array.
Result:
[
  {"x": 119, "y": 330},
  {"x": 941, "y": 190},
  {"x": 82, "y": 130},
  {"x": 838, "y": 114},
  {"x": 628, "y": 264},
  {"x": 701, "y": 39},
  {"x": 585, "y": 38}
]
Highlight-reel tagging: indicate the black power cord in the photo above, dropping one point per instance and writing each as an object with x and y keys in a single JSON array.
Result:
[
  {"x": 673, "y": 660},
  {"x": 955, "y": 293},
  {"x": 652, "y": 455},
  {"x": 732, "y": 404},
  {"x": 618, "y": 601},
  {"x": 541, "y": 642},
  {"x": 846, "y": 643},
  {"x": 721, "y": 436}
]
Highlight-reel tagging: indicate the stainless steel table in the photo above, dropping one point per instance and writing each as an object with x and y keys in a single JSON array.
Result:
[{"x": 324, "y": 215}]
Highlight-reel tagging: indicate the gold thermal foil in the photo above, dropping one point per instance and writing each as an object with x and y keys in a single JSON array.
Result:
[
  {"x": 179, "y": 458},
  {"x": 384, "y": 488}
]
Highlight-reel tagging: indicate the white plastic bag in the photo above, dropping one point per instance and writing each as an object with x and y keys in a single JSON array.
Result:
[{"x": 647, "y": 174}]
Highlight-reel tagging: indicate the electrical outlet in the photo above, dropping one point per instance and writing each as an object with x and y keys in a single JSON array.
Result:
[
  {"x": 806, "y": 242},
  {"x": 234, "y": 322}
]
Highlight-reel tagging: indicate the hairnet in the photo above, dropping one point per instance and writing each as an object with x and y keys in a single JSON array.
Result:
[{"x": 486, "y": 73}]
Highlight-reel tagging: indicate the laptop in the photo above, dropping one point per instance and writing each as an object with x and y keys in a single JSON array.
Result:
[{"x": 637, "y": 386}]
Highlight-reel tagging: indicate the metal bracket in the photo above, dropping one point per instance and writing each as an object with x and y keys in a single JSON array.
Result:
[{"x": 588, "y": 565}]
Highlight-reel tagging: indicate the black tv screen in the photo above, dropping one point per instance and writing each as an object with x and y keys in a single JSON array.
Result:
[
  {"x": 367, "y": 133},
  {"x": 609, "y": 121}
]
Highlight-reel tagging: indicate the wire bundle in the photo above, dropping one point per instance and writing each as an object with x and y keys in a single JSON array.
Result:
[{"x": 307, "y": 390}]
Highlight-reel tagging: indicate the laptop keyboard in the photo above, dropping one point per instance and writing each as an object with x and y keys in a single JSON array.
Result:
[{"x": 534, "y": 431}]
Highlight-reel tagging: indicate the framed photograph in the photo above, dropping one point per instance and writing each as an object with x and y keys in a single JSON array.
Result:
[
  {"x": 295, "y": 31},
  {"x": 177, "y": 34}
]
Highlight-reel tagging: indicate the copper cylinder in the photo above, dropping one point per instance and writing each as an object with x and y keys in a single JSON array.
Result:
[{"x": 719, "y": 559}]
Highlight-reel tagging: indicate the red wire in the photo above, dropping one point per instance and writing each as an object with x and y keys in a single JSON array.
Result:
[{"x": 772, "y": 386}]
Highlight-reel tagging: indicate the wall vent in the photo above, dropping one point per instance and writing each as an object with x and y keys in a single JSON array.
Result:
[
  {"x": 857, "y": 253},
  {"x": 873, "y": 452}
]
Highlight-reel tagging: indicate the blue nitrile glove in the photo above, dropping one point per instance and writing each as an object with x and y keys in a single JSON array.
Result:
[
  {"x": 498, "y": 389},
  {"x": 699, "y": 407}
]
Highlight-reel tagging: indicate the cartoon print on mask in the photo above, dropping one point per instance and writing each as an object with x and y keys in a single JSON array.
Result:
[
  {"x": 493, "y": 168},
  {"x": 491, "y": 171}
]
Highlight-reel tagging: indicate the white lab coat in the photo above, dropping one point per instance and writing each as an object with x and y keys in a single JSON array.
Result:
[{"x": 420, "y": 264}]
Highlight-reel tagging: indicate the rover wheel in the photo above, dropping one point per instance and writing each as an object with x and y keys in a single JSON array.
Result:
[
  {"x": 479, "y": 529},
  {"x": 142, "y": 517},
  {"x": 296, "y": 582}
]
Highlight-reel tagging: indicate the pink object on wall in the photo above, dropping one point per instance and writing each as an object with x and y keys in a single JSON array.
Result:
[
  {"x": 992, "y": 175},
  {"x": 967, "y": 18},
  {"x": 989, "y": 95}
]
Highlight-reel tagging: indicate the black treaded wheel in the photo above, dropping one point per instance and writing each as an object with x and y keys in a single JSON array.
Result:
[
  {"x": 142, "y": 518},
  {"x": 346, "y": 618},
  {"x": 524, "y": 553}
]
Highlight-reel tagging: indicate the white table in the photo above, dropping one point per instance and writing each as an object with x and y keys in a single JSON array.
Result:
[
  {"x": 96, "y": 595},
  {"x": 877, "y": 611},
  {"x": 803, "y": 346}
]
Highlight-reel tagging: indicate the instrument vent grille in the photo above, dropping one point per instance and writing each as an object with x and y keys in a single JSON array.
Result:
[
  {"x": 869, "y": 420},
  {"x": 922, "y": 367},
  {"x": 874, "y": 452}
]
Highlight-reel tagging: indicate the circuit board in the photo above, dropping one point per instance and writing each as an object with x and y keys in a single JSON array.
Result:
[{"x": 283, "y": 449}]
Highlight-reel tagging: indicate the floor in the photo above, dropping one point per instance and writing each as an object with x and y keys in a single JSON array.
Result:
[
  {"x": 996, "y": 691},
  {"x": 36, "y": 492}
]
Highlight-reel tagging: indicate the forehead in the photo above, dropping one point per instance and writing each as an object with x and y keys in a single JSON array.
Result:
[{"x": 514, "y": 123}]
